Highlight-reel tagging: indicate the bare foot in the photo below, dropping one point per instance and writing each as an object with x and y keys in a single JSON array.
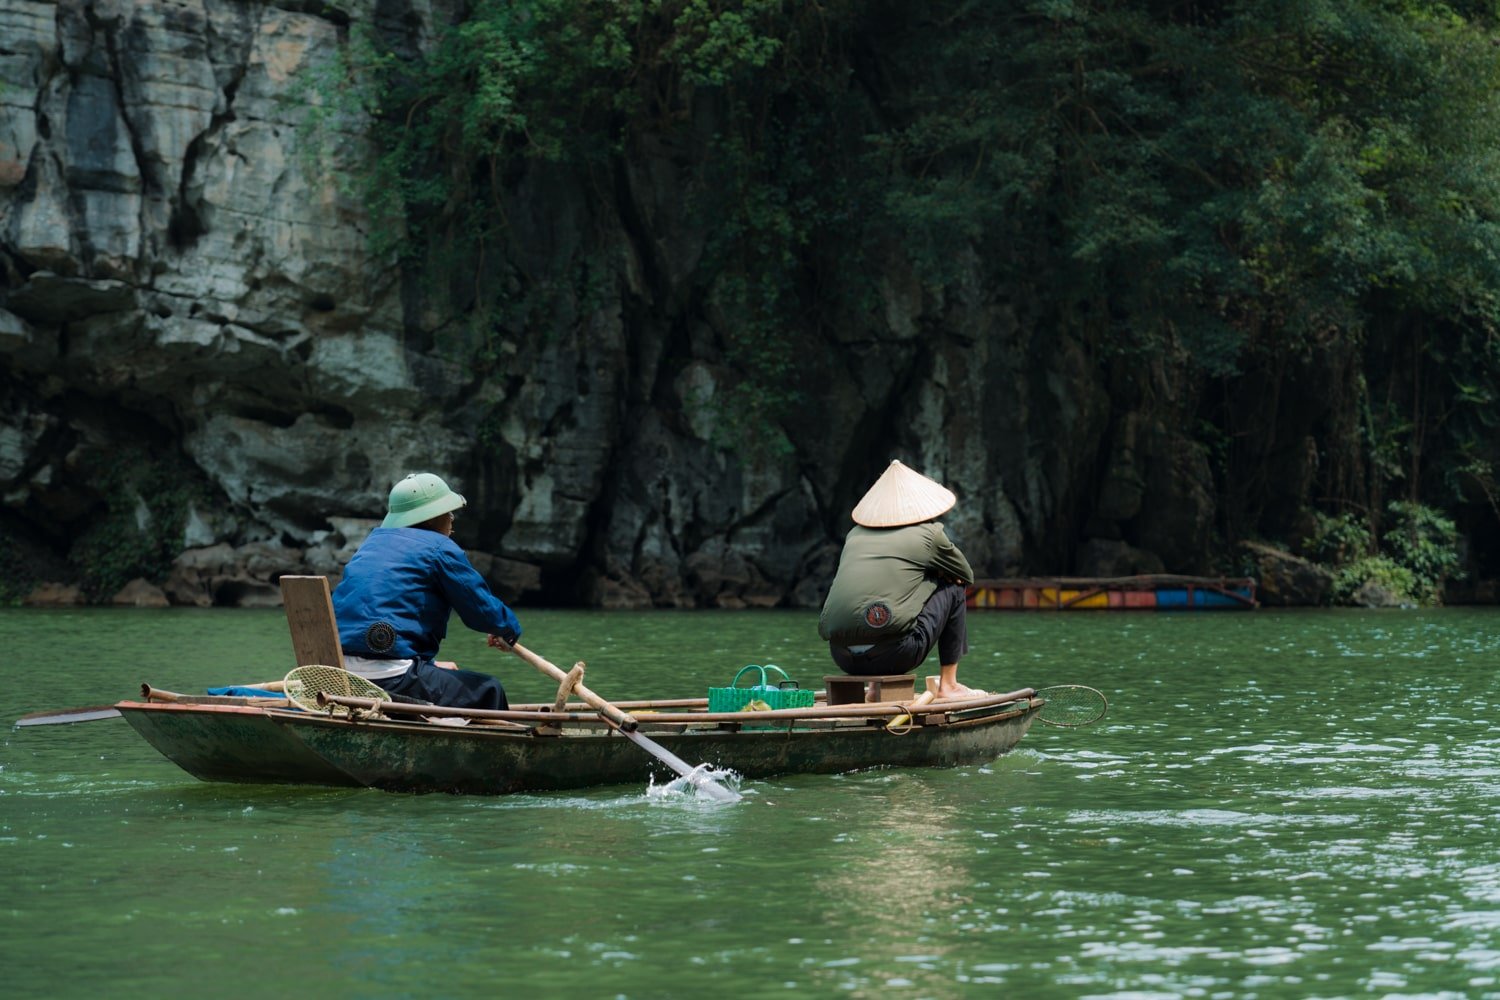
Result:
[{"x": 950, "y": 692}]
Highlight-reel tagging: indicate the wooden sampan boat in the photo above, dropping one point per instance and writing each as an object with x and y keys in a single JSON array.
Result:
[{"x": 407, "y": 748}]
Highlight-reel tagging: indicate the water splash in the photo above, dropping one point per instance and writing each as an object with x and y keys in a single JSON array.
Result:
[{"x": 698, "y": 785}]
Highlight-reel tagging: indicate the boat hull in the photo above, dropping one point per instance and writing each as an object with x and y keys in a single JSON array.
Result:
[
  {"x": 1153, "y": 592},
  {"x": 231, "y": 743},
  {"x": 268, "y": 746}
]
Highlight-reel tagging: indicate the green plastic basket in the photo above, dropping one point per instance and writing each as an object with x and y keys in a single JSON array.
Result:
[{"x": 734, "y": 698}]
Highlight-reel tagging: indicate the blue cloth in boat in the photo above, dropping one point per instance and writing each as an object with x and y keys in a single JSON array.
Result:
[
  {"x": 236, "y": 691},
  {"x": 399, "y": 590}
]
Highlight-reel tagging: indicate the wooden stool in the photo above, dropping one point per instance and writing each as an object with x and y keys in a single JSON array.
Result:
[{"x": 850, "y": 689}]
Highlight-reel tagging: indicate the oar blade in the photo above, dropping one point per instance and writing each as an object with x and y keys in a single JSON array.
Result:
[
  {"x": 624, "y": 724},
  {"x": 697, "y": 777},
  {"x": 67, "y": 715}
]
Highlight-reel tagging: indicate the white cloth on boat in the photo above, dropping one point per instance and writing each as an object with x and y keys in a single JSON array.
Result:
[{"x": 376, "y": 670}]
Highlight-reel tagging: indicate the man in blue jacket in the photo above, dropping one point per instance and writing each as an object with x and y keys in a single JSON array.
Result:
[{"x": 397, "y": 592}]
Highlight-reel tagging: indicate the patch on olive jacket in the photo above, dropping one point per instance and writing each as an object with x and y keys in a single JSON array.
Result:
[{"x": 878, "y": 615}]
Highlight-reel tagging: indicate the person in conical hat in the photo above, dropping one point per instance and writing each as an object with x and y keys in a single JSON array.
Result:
[
  {"x": 398, "y": 591},
  {"x": 901, "y": 586}
]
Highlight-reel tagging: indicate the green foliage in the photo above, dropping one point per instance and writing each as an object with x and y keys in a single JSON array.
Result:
[
  {"x": 570, "y": 85},
  {"x": 1417, "y": 554},
  {"x": 1425, "y": 542},
  {"x": 1236, "y": 189},
  {"x": 1384, "y": 571},
  {"x": 716, "y": 44},
  {"x": 16, "y": 578},
  {"x": 145, "y": 501},
  {"x": 1234, "y": 182},
  {"x": 1338, "y": 540},
  {"x": 1230, "y": 190}
]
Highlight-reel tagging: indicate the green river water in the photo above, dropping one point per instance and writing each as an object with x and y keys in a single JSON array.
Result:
[{"x": 1278, "y": 804}]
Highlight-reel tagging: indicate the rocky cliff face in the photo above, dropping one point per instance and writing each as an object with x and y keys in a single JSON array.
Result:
[{"x": 181, "y": 288}]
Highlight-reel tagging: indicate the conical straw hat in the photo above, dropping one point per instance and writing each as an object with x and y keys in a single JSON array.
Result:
[{"x": 902, "y": 496}]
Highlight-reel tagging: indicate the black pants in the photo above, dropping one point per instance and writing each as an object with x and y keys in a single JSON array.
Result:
[
  {"x": 454, "y": 688},
  {"x": 941, "y": 623}
]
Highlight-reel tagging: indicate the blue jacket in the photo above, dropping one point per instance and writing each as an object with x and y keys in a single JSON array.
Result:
[{"x": 401, "y": 586}]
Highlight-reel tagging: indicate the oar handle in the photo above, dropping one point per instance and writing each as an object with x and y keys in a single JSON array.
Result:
[
  {"x": 624, "y": 720},
  {"x": 277, "y": 685}
]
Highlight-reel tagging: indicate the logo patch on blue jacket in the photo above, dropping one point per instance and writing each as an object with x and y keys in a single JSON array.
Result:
[{"x": 380, "y": 637}]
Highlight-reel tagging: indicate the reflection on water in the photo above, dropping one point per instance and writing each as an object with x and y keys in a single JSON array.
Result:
[{"x": 1276, "y": 805}]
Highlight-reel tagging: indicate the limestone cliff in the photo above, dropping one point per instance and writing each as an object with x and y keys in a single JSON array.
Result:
[{"x": 181, "y": 287}]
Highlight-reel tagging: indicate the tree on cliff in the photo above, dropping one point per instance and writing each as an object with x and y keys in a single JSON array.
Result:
[{"x": 1271, "y": 224}]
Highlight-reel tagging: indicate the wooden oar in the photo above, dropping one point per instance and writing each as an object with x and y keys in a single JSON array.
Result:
[
  {"x": 627, "y": 726},
  {"x": 93, "y": 713},
  {"x": 58, "y": 717},
  {"x": 279, "y": 684}
]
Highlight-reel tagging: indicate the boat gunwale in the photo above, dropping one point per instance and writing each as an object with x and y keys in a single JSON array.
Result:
[
  {"x": 817, "y": 719},
  {"x": 1140, "y": 581},
  {"x": 872, "y": 710},
  {"x": 599, "y": 728}
]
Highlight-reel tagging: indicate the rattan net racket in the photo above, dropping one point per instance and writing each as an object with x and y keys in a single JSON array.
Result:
[
  {"x": 304, "y": 683},
  {"x": 1071, "y": 705}
]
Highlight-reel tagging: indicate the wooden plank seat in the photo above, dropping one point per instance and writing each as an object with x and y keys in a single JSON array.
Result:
[
  {"x": 849, "y": 689},
  {"x": 309, "y": 615}
]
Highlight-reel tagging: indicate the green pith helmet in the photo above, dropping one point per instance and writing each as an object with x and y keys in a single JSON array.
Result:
[{"x": 417, "y": 498}]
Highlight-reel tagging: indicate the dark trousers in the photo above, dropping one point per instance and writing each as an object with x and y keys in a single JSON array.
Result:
[
  {"x": 454, "y": 688},
  {"x": 941, "y": 623}
]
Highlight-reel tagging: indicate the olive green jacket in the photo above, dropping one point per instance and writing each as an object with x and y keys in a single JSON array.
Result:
[{"x": 884, "y": 578}]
